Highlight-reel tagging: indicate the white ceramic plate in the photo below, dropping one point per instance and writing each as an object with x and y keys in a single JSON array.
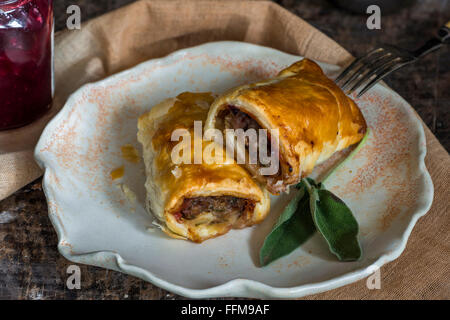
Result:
[{"x": 386, "y": 184}]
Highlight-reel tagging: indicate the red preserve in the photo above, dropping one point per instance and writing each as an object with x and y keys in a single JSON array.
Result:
[{"x": 26, "y": 44}]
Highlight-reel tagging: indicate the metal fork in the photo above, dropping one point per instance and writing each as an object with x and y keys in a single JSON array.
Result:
[{"x": 377, "y": 64}]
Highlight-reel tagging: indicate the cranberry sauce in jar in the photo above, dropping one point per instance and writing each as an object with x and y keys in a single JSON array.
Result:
[{"x": 26, "y": 57}]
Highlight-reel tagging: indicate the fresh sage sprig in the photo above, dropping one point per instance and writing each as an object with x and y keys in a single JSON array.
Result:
[
  {"x": 315, "y": 208},
  {"x": 294, "y": 227},
  {"x": 334, "y": 221}
]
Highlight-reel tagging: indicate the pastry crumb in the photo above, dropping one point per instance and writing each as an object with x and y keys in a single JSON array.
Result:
[
  {"x": 130, "y": 153},
  {"x": 129, "y": 194},
  {"x": 117, "y": 173}
]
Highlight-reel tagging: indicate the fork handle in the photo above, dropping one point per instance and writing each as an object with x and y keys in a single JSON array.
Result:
[
  {"x": 444, "y": 33},
  {"x": 443, "y": 37}
]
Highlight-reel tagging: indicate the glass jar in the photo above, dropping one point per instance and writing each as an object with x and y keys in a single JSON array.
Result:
[{"x": 26, "y": 61}]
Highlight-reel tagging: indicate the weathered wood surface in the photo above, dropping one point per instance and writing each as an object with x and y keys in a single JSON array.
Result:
[{"x": 32, "y": 268}]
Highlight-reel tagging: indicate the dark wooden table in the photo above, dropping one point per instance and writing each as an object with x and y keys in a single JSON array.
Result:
[{"x": 32, "y": 268}]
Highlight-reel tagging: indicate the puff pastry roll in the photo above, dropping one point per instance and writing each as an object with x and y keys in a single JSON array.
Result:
[
  {"x": 313, "y": 116},
  {"x": 194, "y": 201}
]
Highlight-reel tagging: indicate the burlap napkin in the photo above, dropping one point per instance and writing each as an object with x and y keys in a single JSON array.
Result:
[{"x": 150, "y": 29}]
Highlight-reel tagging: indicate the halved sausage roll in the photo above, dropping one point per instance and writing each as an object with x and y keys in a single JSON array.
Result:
[
  {"x": 313, "y": 116},
  {"x": 194, "y": 201}
]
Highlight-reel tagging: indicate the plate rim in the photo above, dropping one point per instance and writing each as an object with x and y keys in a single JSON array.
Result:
[{"x": 236, "y": 287}]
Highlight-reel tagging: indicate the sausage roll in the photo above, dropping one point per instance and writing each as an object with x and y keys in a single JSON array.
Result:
[
  {"x": 313, "y": 116},
  {"x": 194, "y": 201}
]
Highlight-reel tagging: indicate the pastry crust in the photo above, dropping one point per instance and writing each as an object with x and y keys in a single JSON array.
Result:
[
  {"x": 169, "y": 184},
  {"x": 314, "y": 117}
]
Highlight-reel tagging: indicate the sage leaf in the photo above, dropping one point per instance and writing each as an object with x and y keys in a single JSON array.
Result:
[
  {"x": 335, "y": 222},
  {"x": 314, "y": 207},
  {"x": 293, "y": 228}
]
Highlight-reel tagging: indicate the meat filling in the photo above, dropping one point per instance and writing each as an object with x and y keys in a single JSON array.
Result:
[
  {"x": 222, "y": 207},
  {"x": 240, "y": 120},
  {"x": 236, "y": 119}
]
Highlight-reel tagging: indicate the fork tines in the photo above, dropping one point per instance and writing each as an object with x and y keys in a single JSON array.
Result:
[{"x": 369, "y": 69}]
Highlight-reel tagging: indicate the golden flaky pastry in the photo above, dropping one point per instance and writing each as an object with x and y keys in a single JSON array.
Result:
[
  {"x": 194, "y": 201},
  {"x": 314, "y": 118}
]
